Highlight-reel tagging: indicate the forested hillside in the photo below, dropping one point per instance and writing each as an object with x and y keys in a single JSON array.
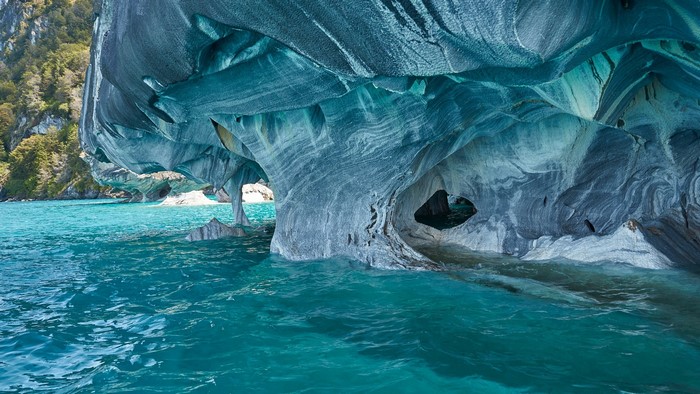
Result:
[{"x": 44, "y": 52}]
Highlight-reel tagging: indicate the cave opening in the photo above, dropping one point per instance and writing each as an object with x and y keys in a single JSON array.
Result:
[
  {"x": 164, "y": 191},
  {"x": 443, "y": 211},
  {"x": 257, "y": 192}
]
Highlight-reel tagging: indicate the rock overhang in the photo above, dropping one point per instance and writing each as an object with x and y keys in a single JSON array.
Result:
[{"x": 358, "y": 112}]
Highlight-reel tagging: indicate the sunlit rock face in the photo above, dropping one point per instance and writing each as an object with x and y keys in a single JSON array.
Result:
[{"x": 572, "y": 126}]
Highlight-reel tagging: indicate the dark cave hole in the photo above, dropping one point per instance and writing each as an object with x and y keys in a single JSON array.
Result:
[
  {"x": 162, "y": 193},
  {"x": 589, "y": 225},
  {"x": 443, "y": 211}
]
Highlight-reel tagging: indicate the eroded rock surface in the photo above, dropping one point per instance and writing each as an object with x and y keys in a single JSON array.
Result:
[
  {"x": 215, "y": 230},
  {"x": 560, "y": 121},
  {"x": 142, "y": 187}
]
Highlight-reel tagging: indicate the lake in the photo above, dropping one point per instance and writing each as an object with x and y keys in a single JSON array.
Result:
[{"x": 109, "y": 297}]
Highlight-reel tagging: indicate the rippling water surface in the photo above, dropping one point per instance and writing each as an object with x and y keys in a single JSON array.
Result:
[{"x": 97, "y": 296}]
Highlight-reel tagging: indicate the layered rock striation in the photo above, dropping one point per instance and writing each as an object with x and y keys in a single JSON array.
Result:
[
  {"x": 571, "y": 126},
  {"x": 142, "y": 187}
]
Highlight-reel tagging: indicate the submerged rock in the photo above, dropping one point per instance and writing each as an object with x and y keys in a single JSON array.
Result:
[
  {"x": 559, "y": 123},
  {"x": 215, "y": 230}
]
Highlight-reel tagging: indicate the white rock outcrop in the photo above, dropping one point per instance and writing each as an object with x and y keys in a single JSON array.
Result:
[
  {"x": 255, "y": 192},
  {"x": 192, "y": 198}
]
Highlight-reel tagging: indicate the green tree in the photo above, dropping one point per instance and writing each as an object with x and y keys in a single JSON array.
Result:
[
  {"x": 8, "y": 90},
  {"x": 28, "y": 165},
  {"x": 7, "y": 120},
  {"x": 4, "y": 174},
  {"x": 31, "y": 95},
  {"x": 62, "y": 77}
]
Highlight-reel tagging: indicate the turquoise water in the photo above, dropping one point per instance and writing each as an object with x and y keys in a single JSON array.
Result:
[{"x": 104, "y": 297}]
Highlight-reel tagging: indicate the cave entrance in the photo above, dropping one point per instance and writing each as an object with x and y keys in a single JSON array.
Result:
[{"x": 443, "y": 211}]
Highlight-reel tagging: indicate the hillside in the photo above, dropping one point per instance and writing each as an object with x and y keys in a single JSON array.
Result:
[{"x": 44, "y": 52}]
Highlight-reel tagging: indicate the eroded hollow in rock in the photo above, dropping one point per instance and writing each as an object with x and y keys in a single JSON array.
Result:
[
  {"x": 443, "y": 211},
  {"x": 164, "y": 191}
]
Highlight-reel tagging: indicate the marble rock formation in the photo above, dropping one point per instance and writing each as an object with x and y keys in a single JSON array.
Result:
[
  {"x": 142, "y": 187},
  {"x": 222, "y": 196},
  {"x": 215, "y": 230},
  {"x": 571, "y": 125}
]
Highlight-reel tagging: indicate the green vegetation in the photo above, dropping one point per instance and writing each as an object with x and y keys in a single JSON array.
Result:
[
  {"x": 4, "y": 172},
  {"x": 44, "y": 166},
  {"x": 41, "y": 74}
]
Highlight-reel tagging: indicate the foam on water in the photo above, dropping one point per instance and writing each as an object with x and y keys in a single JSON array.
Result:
[{"x": 109, "y": 297}]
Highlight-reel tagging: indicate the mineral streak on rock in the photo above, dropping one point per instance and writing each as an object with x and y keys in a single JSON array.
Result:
[{"x": 560, "y": 120}]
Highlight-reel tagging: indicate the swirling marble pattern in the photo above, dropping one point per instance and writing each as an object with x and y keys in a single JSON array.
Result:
[{"x": 572, "y": 125}]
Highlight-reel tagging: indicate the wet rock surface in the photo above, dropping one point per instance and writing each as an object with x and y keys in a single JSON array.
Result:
[
  {"x": 560, "y": 123},
  {"x": 215, "y": 230}
]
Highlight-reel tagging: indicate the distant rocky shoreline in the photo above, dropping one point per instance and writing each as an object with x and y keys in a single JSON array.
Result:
[
  {"x": 89, "y": 195},
  {"x": 251, "y": 193}
]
